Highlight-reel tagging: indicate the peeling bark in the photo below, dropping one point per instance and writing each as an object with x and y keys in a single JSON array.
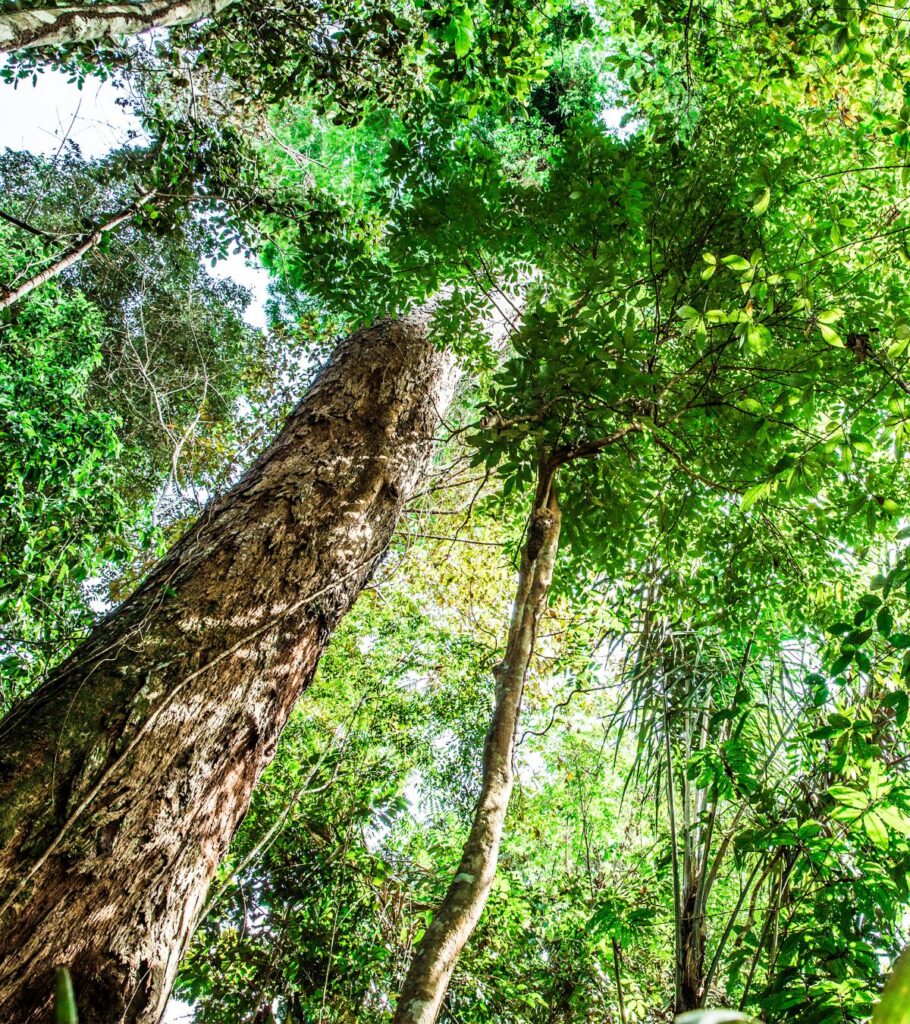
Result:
[
  {"x": 123, "y": 778},
  {"x": 80, "y": 23},
  {"x": 453, "y": 922}
]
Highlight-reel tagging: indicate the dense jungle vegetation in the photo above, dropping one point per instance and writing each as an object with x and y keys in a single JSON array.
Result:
[{"x": 516, "y": 628}]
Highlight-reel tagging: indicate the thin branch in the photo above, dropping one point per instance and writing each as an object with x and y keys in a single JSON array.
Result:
[
  {"x": 9, "y": 296},
  {"x": 24, "y": 225}
]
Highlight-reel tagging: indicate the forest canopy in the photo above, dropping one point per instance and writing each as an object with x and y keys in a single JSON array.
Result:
[{"x": 512, "y": 622}]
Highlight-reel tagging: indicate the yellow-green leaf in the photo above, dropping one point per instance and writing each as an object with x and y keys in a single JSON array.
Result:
[{"x": 830, "y": 335}]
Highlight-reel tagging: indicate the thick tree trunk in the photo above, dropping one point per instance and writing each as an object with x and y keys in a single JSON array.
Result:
[
  {"x": 431, "y": 969},
  {"x": 9, "y": 296},
  {"x": 79, "y": 23},
  {"x": 123, "y": 778}
]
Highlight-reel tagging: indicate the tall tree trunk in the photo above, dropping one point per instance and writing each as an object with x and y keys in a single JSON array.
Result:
[
  {"x": 73, "y": 254},
  {"x": 79, "y": 23},
  {"x": 123, "y": 778},
  {"x": 431, "y": 969}
]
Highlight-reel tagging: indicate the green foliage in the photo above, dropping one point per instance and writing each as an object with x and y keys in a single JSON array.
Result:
[
  {"x": 347, "y": 56},
  {"x": 61, "y": 513},
  {"x": 337, "y": 791},
  {"x": 710, "y": 326},
  {"x": 130, "y": 387},
  {"x": 585, "y": 888}
]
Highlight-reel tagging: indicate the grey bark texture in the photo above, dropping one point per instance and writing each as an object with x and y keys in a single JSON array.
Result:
[
  {"x": 456, "y": 917},
  {"x": 124, "y": 777},
  {"x": 80, "y": 23}
]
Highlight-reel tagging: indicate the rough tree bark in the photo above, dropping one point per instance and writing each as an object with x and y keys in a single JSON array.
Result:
[
  {"x": 123, "y": 778},
  {"x": 453, "y": 922},
  {"x": 79, "y": 23}
]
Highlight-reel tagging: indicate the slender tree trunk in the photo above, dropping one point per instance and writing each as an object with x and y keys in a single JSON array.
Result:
[
  {"x": 690, "y": 992},
  {"x": 690, "y": 925},
  {"x": 79, "y": 23},
  {"x": 73, "y": 254},
  {"x": 431, "y": 969},
  {"x": 617, "y": 972},
  {"x": 123, "y": 778}
]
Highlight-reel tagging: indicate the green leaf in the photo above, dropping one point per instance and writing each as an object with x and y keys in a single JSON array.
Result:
[
  {"x": 736, "y": 263},
  {"x": 875, "y": 830},
  {"x": 752, "y": 494},
  {"x": 830, "y": 335},
  {"x": 895, "y": 818},
  {"x": 809, "y": 829},
  {"x": 839, "y": 42},
  {"x": 899, "y": 702},
  {"x": 849, "y": 797},
  {"x": 884, "y": 622},
  {"x": 463, "y": 40},
  {"x": 829, "y": 316},
  {"x": 460, "y": 32},
  {"x": 758, "y": 338},
  {"x": 841, "y": 663},
  {"x": 825, "y": 732},
  {"x": 65, "y": 1000}
]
